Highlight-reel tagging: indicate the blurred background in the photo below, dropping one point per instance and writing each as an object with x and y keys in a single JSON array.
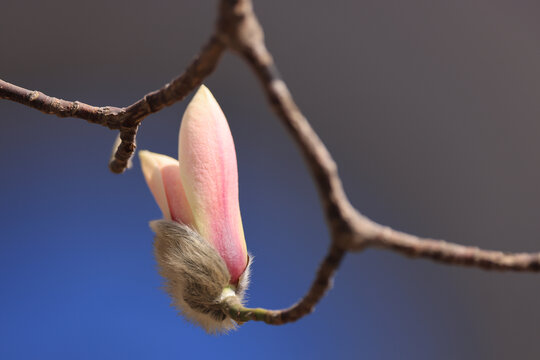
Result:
[{"x": 430, "y": 108}]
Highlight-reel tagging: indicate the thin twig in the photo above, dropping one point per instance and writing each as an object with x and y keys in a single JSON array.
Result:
[
  {"x": 454, "y": 254},
  {"x": 126, "y": 119},
  {"x": 322, "y": 283},
  {"x": 108, "y": 116},
  {"x": 202, "y": 66}
]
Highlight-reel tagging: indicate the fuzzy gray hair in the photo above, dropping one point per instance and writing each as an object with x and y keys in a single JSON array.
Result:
[{"x": 195, "y": 275}]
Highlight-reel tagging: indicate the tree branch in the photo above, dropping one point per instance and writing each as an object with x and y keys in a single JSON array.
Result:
[
  {"x": 350, "y": 230},
  {"x": 126, "y": 119},
  {"x": 239, "y": 30},
  {"x": 108, "y": 116},
  {"x": 323, "y": 282},
  {"x": 202, "y": 66},
  {"x": 449, "y": 253}
]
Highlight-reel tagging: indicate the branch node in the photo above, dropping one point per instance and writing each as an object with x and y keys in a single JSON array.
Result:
[
  {"x": 33, "y": 95},
  {"x": 74, "y": 108}
]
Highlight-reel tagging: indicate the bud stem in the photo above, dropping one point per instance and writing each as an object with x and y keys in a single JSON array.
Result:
[{"x": 232, "y": 307}]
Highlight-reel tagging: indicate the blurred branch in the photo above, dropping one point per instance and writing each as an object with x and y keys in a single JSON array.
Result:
[
  {"x": 126, "y": 119},
  {"x": 239, "y": 30}
]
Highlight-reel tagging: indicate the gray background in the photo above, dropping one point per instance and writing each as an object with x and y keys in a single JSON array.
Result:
[{"x": 430, "y": 108}]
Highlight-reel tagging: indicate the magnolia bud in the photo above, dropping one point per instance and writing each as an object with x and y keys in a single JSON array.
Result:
[{"x": 200, "y": 246}]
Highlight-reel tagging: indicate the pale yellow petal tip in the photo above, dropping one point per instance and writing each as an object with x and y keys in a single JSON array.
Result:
[
  {"x": 152, "y": 162},
  {"x": 146, "y": 157},
  {"x": 152, "y": 165},
  {"x": 152, "y": 159},
  {"x": 204, "y": 91},
  {"x": 204, "y": 96},
  {"x": 147, "y": 165},
  {"x": 143, "y": 155}
]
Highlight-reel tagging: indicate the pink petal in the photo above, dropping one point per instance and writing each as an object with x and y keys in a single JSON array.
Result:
[
  {"x": 210, "y": 177},
  {"x": 162, "y": 174}
]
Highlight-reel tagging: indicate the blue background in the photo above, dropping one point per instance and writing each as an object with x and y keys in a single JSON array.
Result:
[{"x": 430, "y": 109}]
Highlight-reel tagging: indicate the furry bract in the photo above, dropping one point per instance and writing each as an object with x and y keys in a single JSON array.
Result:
[{"x": 199, "y": 245}]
